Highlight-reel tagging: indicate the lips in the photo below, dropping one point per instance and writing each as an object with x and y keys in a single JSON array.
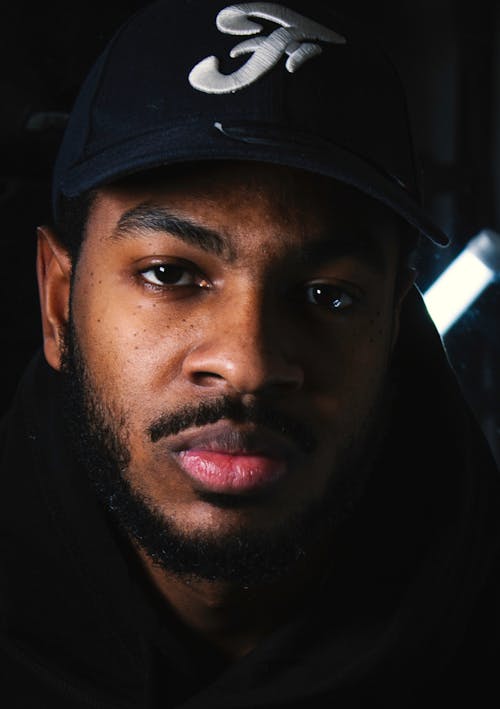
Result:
[
  {"x": 223, "y": 458},
  {"x": 231, "y": 473}
]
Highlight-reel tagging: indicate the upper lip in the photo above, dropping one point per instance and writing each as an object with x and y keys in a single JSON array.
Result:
[{"x": 233, "y": 439}]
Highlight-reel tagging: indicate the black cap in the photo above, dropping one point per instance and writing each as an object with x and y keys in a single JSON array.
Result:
[{"x": 292, "y": 84}]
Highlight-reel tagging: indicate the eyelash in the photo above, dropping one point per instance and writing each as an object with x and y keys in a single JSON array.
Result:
[{"x": 321, "y": 294}]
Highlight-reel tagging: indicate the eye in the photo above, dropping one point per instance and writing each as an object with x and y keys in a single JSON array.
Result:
[
  {"x": 172, "y": 275},
  {"x": 328, "y": 296}
]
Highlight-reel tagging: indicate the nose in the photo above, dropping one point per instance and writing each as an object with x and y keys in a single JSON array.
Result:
[{"x": 242, "y": 348}]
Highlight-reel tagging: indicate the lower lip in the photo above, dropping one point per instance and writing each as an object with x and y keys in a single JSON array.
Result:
[{"x": 231, "y": 473}]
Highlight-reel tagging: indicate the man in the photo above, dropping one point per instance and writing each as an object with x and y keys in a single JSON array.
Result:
[{"x": 241, "y": 474}]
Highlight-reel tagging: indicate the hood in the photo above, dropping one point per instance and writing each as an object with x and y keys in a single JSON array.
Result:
[{"x": 411, "y": 567}]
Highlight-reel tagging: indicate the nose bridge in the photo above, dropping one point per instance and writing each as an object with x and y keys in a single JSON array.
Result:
[
  {"x": 250, "y": 317},
  {"x": 240, "y": 346}
]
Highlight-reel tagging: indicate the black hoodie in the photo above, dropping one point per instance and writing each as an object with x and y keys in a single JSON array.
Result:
[{"x": 408, "y": 615}]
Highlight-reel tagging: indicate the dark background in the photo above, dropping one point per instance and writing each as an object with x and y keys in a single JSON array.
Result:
[{"x": 448, "y": 54}]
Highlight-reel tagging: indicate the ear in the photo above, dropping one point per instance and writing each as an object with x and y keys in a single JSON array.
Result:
[
  {"x": 404, "y": 282},
  {"x": 54, "y": 277}
]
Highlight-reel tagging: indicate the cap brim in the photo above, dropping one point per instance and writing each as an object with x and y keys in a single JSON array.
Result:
[{"x": 193, "y": 143}]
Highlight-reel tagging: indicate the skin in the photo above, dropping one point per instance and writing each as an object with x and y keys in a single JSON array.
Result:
[{"x": 242, "y": 323}]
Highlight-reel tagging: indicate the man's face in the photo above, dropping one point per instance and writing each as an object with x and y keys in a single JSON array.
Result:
[{"x": 229, "y": 349}]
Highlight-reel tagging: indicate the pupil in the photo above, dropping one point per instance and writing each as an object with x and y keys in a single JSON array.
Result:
[
  {"x": 169, "y": 274},
  {"x": 323, "y": 296}
]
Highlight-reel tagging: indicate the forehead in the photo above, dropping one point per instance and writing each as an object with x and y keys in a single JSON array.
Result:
[{"x": 242, "y": 199}]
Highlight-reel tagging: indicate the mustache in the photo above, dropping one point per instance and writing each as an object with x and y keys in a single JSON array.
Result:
[{"x": 257, "y": 413}]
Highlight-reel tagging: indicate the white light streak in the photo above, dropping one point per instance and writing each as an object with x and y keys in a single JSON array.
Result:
[{"x": 463, "y": 281}]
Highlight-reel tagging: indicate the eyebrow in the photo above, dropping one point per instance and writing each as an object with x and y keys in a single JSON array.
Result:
[
  {"x": 139, "y": 220},
  {"x": 147, "y": 217},
  {"x": 359, "y": 245}
]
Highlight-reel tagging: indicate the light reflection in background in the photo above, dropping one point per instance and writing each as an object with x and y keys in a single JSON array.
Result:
[{"x": 463, "y": 281}]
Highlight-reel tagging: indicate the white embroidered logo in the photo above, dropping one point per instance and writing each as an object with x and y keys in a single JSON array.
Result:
[{"x": 293, "y": 38}]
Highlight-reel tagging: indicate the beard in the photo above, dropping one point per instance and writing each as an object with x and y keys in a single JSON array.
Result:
[{"x": 99, "y": 437}]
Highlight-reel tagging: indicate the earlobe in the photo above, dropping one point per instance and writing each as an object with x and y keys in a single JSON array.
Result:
[{"x": 54, "y": 279}]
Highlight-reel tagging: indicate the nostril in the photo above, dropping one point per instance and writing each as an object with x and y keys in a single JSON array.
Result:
[{"x": 205, "y": 378}]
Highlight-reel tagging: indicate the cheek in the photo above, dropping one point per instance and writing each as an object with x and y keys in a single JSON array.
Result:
[
  {"x": 132, "y": 350},
  {"x": 373, "y": 350},
  {"x": 350, "y": 373}
]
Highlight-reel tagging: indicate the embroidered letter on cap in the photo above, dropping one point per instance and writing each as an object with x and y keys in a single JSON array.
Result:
[{"x": 296, "y": 36}]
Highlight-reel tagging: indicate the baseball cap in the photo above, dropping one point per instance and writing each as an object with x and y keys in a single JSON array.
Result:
[{"x": 293, "y": 84}]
